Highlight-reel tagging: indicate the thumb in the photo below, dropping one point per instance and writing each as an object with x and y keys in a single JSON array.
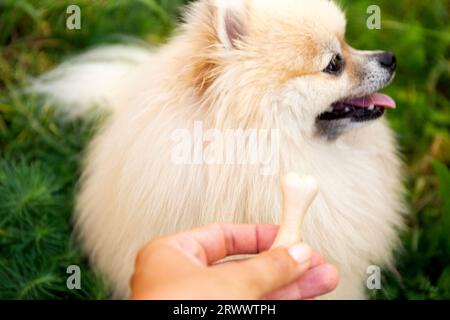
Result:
[{"x": 273, "y": 270}]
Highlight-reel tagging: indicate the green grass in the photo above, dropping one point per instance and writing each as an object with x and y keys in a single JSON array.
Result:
[{"x": 40, "y": 155}]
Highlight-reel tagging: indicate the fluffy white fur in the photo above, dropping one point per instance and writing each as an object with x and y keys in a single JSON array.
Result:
[
  {"x": 264, "y": 72},
  {"x": 90, "y": 79}
]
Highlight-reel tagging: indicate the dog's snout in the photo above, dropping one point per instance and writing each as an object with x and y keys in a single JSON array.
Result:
[{"x": 388, "y": 60}]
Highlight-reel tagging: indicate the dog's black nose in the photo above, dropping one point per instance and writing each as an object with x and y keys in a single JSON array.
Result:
[{"x": 388, "y": 60}]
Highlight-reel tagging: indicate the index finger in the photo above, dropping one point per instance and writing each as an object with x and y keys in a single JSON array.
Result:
[{"x": 217, "y": 241}]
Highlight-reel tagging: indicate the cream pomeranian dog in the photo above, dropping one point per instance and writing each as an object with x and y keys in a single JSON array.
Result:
[{"x": 238, "y": 64}]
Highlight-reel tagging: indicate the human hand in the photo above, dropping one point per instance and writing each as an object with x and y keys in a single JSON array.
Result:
[{"x": 183, "y": 266}]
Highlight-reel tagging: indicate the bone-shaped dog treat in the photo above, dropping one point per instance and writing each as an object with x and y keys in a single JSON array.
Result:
[{"x": 298, "y": 193}]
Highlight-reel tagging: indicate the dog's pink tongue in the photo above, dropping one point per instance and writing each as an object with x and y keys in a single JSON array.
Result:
[{"x": 377, "y": 99}]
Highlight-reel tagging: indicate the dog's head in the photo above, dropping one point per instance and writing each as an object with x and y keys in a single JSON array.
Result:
[{"x": 293, "y": 54}]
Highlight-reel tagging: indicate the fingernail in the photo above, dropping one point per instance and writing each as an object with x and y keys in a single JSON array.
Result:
[{"x": 301, "y": 253}]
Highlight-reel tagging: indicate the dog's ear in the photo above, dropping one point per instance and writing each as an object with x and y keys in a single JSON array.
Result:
[{"x": 231, "y": 21}]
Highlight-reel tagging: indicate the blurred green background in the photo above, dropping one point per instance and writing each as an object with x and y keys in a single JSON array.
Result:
[{"x": 40, "y": 155}]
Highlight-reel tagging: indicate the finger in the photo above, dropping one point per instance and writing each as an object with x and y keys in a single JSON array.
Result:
[
  {"x": 316, "y": 259},
  {"x": 315, "y": 282},
  {"x": 272, "y": 270},
  {"x": 215, "y": 242}
]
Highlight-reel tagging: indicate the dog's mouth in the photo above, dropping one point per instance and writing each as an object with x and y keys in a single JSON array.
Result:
[{"x": 362, "y": 109}]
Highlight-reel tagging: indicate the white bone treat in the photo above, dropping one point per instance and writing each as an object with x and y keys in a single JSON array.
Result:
[{"x": 298, "y": 193}]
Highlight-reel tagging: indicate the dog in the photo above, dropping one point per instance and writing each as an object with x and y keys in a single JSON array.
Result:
[{"x": 238, "y": 64}]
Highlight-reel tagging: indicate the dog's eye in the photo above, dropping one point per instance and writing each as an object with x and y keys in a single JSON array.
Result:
[{"x": 335, "y": 66}]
